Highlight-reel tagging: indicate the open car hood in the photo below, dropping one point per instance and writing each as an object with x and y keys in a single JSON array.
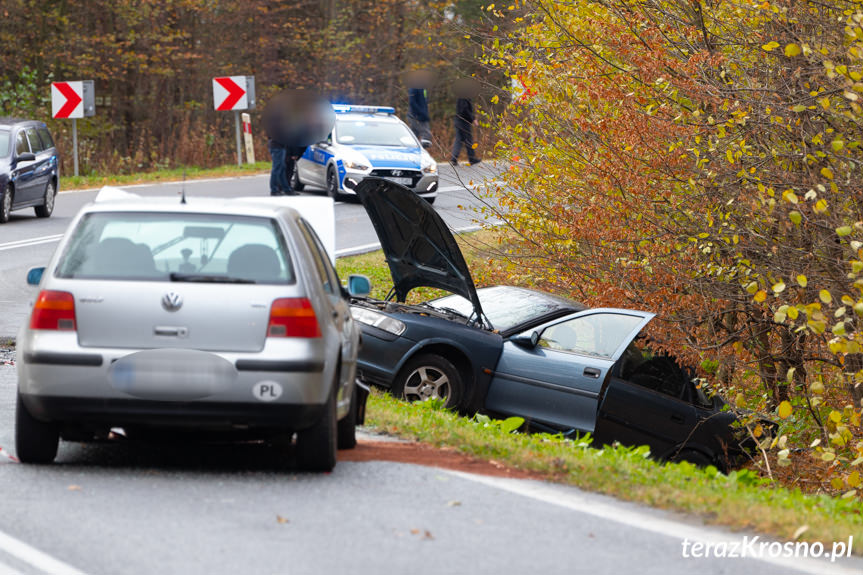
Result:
[{"x": 420, "y": 249}]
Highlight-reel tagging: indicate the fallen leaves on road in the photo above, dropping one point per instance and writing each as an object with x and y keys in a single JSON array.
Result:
[
  {"x": 74, "y": 488},
  {"x": 282, "y": 520},
  {"x": 426, "y": 534},
  {"x": 454, "y": 503}
]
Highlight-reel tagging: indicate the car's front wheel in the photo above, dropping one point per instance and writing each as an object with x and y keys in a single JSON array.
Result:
[
  {"x": 429, "y": 376},
  {"x": 316, "y": 446},
  {"x": 296, "y": 184},
  {"x": 35, "y": 441},
  {"x": 47, "y": 207},
  {"x": 333, "y": 184},
  {"x": 5, "y": 205}
]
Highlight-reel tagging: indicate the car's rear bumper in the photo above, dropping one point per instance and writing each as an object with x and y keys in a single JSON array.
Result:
[{"x": 193, "y": 414}]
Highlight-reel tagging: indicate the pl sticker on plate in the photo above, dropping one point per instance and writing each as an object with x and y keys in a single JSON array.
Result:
[{"x": 267, "y": 390}]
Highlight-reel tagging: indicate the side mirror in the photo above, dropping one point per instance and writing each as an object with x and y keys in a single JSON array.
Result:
[
  {"x": 34, "y": 276},
  {"x": 27, "y": 157},
  {"x": 526, "y": 340},
  {"x": 359, "y": 285},
  {"x": 425, "y": 143}
]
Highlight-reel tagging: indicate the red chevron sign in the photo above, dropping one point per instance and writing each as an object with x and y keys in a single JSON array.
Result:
[
  {"x": 66, "y": 99},
  {"x": 229, "y": 93}
]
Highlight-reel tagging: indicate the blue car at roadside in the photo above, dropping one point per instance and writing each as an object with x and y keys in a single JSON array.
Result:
[{"x": 29, "y": 168}]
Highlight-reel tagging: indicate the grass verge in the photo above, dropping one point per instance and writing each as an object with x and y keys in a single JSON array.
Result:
[
  {"x": 740, "y": 500},
  {"x": 171, "y": 175}
]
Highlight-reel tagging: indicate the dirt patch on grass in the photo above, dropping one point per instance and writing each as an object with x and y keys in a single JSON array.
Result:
[{"x": 421, "y": 454}]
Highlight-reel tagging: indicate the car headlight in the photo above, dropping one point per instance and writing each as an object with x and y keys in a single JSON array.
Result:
[
  {"x": 430, "y": 168},
  {"x": 378, "y": 320},
  {"x": 355, "y": 166}
]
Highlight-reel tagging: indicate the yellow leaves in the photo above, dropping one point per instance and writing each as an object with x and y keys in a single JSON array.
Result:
[
  {"x": 825, "y": 296},
  {"x": 770, "y": 46},
  {"x": 802, "y": 281},
  {"x": 740, "y": 400},
  {"x": 853, "y": 479},
  {"x": 784, "y": 410},
  {"x": 843, "y": 231},
  {"x": 791, "y": 50},
  {"x": 795, "y": 217},
  {"x": 730, "y": 156},
  {"x": 835, "y": 416},
  {"x": 790, "y": 197},
  {"x": 778, "y": 287},
  {"x": 792, "y": 312},
  {"x": 495, "y": 99},
  {"x": 827, "y": 173},
  {"x": 820, "y": 207},
  {"x": 760, "y": 296}
]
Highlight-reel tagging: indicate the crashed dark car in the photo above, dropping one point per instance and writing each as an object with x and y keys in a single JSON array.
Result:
[{"x": 509, "y": 351}]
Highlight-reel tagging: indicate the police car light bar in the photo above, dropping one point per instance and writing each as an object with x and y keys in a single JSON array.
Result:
[{"x": 344, "y": 108}]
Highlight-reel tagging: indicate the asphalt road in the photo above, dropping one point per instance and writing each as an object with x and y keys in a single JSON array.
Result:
[
  {"x": 26, "y": 241},
  {"x": 129, "y": 508}
]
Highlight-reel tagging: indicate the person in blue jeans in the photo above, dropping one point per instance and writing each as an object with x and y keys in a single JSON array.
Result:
[{"x": 274, "y": 125}]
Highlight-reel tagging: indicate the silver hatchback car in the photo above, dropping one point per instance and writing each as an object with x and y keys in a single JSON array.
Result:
[{"x": 206, "y": 315}]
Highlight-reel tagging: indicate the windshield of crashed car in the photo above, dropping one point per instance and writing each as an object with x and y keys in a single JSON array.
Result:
[
  {"x": 161, "y": 246},
  {"x": 371, "y": 133},
  {"x": 505, "y": 308},
  {"x": 5, "y": 143}
]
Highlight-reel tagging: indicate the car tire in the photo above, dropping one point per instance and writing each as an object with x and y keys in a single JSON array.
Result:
[
  {"x": 428, "y": 376},
  {"x": 316, "y": 446},
  {"x": 333, "y": 184},
  {"x": 296, "y": 184},
  {"x": 5, "y": 205},
  {"x": 347, "y": 427},
  {"x": 47, "y": 207},
  {"x": 35, "y": 441}
]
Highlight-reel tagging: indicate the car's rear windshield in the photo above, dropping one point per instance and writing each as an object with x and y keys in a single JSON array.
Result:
[
  {"x": 5, "y": 143},
  {"x": 506, "y": 308},
  {"x": 177, "y": 247},
  {"x": 372, "y": 133}
]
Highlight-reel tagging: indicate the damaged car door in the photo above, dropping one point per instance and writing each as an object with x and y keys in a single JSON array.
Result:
[{"x": 553, "y": 375}]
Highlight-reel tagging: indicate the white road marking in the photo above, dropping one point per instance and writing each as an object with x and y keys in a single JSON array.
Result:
[
  {"x": 648, "y": 522},
  {"x": 356, "y": 250},
  {"x": 6, "y": 570},
  {"x": 34, "y": 557},
  {"x": 30, "y": 242}
]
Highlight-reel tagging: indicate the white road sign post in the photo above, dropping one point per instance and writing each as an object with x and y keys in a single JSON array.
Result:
[
  {"x": 234, "y": 93},
  {"x": 247, "y": 138},
  {"x": 73, "y": 100}
]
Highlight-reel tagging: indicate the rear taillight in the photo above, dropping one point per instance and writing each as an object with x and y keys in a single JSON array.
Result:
[
  {"x": 293, "y": 317},
  {"x": 53, "y": 310}
]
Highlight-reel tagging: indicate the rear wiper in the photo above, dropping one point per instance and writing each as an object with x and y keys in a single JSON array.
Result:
[
  {"x": 203, "y": 278},
  {"x": 442, "y": 309}
]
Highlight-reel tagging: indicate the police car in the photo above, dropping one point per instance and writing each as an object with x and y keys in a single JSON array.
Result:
[{"x": 367, "y": 141}]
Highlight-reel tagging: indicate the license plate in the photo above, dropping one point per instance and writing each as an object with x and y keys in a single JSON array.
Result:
[{"x": 402, "y": 181}]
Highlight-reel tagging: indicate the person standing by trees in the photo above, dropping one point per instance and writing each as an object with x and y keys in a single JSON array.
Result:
[
  {"x": 274, "y": 125},
  {"x": 464, "y": 122},
  {"x": 418, "y": 112}
]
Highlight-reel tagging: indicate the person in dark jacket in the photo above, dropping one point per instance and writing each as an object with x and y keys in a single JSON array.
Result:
[
  {"x": 464, "y": 123},
  {"x": 274, "y": 125},
  {"x": 418, "y": 115}
]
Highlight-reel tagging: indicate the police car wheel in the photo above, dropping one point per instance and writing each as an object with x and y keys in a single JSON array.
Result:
[
  {"x": 296, "y": 184},
  {"x": 333, "y": 184}
]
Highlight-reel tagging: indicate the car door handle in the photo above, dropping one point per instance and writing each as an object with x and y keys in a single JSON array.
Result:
[
  {"x": 592, "y": 372},
  {"x": 676, "y": 418}
]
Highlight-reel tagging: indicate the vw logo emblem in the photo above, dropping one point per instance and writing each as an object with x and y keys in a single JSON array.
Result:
[
  {"x": 397, "y": 173},
  {"x": 172, "y": 301}
]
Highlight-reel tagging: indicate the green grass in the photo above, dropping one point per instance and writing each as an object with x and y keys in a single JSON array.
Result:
[
  {"x": 740, "y": 500},
  {"x": 168, "y": 175}
]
